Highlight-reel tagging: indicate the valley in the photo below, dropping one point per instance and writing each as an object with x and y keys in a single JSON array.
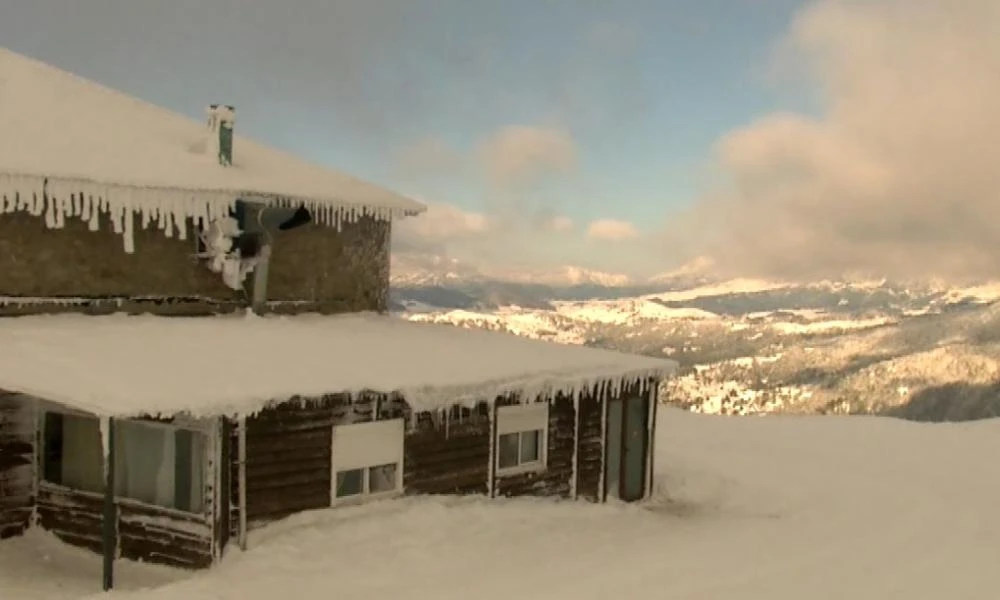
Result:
[{"x": 923, "y": 352}]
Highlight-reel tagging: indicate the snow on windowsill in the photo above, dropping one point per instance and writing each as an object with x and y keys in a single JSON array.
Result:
[
  {"x": 524, "y": 469},
  {"x": 359, "y": 499}
]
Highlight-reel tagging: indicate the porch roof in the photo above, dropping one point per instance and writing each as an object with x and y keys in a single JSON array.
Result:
[{"x": 126, "y": 365}]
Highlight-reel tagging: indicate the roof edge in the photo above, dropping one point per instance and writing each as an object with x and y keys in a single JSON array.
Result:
[
  {"x": 56, "y": 198},
  {"x": 424, "y": 399}
]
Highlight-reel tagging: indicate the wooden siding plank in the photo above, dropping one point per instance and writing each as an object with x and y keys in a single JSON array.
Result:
[{"x": 17, "y": 463}]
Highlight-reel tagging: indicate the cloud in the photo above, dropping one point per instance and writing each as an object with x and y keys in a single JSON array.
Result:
[
  {"x": 521, "y": 155},
  {"x": 560, "y": 224},
  {"x": 441, "y": 226},
  {"x": 612, "y": 230},
  {"x": 898, "y": 175},
  {"x": 429, "y": 155}
]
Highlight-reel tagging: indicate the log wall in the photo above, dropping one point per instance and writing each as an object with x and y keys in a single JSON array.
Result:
[
  {"x": 289, "y": 448},
  {"x": 17, "y": 448},
  {"x": 145, "y": 533},
  {"x": 448, "y": 454},
  {"x": 150, "y": 534},
  {"x": 555, "y": 479},
  {"x": 74, "y": 517},
  {"x": 590, "y": 445}
]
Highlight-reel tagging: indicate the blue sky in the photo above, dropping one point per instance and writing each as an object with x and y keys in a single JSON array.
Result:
[{"x": 410, "y": 93}]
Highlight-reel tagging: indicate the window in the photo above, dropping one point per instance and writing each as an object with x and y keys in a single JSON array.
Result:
[
  {"x": 369, "y": 480},
  {"x": 517, "y": 449},
  {"x": 521, "y": 437},
  {"x": 367, "y": 459},
  {"x": 72, "y": 452},
  {"x": 155, "y": 463},
  {"x": 160, "y": 465}
]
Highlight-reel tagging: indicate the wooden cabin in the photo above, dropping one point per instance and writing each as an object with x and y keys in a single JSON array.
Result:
[{"x": 170, "y": 440}]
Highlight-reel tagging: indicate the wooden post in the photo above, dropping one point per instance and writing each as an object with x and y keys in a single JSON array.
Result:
[
  {"x": 241, "y": 451},
  {"x": 575, "y": 482},
  {"x": 222, "y": 454},
  {"x": 109, "y": 525},
  {"x": 602, "y": 484},
  {"x": 654, "y": 400},
  {"x": 492, "y": 473}
]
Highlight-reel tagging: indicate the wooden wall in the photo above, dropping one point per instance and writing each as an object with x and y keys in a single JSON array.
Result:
[
  {"x": 590, "y": 444},
  {"x": 145, "y": 533},
  {"x": 16, "y": 464},
  {"x": 288, "y": 461},
  {"x": 289, "y": 447},
  {"x": 448, "y": 454},
  {"x": 151, "y": 535},
  {"x": 74, "y": 517},
  {"x": 556, "y": 479}
]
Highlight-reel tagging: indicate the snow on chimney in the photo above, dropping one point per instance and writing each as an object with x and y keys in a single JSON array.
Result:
[{"x": 220, "y": 126}]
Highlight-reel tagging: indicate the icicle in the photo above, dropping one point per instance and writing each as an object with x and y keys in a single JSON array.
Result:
[
  {"x": 128, "y": 218},
  {"x": 93, "y": 213},
  {"x": 50, "y": 212},
  {"x": 167, "y": 213},
  {"x": 117, "y": 222},
  {"x": 62, "y": 207},
  {"x": 161, "y": 217},
  {"x": 180, "y": 219}
]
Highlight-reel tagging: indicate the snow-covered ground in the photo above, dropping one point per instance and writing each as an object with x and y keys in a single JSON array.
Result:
[{"x": 769, "y": 508}]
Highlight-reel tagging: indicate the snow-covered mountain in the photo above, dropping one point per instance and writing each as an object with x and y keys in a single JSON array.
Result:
[
  {"x": 750, "y": 346},
  {"x": 420, "y": 269}
]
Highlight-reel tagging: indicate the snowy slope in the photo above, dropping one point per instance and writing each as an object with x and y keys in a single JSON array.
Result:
[
  {"x": 749, "y": 347},
  {"x": 776, "y": 508}
]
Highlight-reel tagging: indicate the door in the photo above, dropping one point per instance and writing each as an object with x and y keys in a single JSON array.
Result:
[
  {"x": 625, "y": 448},
  {"x": 634, "y": 448}
]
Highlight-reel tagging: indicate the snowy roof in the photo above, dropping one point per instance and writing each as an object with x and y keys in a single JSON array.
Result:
[
  {"x": 91, "y": 140},
  {"x": 125, "y": 365}
]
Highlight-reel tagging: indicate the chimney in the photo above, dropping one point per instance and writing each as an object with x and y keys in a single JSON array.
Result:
[{"x": 220, "y": 126}]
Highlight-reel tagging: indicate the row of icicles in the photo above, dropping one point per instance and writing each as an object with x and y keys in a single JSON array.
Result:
[{"x": 169, "y": 209}]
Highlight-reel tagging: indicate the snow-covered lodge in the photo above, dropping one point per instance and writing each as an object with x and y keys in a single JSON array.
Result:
[{"x": 170, "y": 439}]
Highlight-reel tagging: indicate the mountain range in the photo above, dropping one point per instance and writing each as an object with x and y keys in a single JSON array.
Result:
[{"x": 920, "y": 350}]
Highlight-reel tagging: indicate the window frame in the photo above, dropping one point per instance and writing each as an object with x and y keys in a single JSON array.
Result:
[
  {"x": 198, "y": 426},
  {"x": 354, "y": 434},
  {"x": 520, "y": 419}
]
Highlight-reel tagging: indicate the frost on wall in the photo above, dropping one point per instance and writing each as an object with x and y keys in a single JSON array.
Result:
[
  {"x": 217, "y": 240},
  {"x": 60, "y": 200},
  {"x": 346, "y": 270},
  {"x": 47, "y": 253}
]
